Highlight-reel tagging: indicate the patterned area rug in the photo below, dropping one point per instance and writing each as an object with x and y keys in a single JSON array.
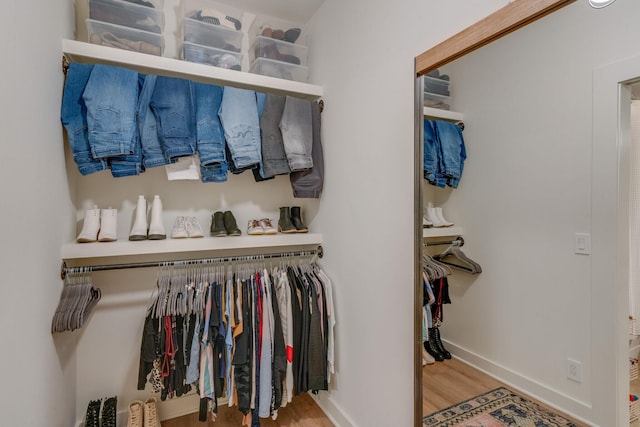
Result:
[{"x": 497, "y": 408}]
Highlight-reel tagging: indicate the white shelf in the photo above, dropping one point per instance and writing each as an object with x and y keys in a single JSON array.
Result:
[
  {"x": 78, "y": 51},
  {"x": 75, "y": 254},
  {"x": 437, "y": 113},
  {"x": 428, "y": 233}
]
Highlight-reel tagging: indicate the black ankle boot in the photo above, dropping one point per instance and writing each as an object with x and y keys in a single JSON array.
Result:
[
  {"x": 92, "y": 417},
  {"x": 438, "y": 343},
  {"x": 296, "y": 220},
  {"x": 431, "y": 348},
  {"x": 109, "y": 412}
]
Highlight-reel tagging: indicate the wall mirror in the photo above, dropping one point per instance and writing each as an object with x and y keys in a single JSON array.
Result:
[{"x": 512, "y": 17}]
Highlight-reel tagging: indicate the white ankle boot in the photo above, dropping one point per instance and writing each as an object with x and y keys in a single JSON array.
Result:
[
  {"x": 135, "y": 415},
  {"x": 139, "y": 229},
  {"x": 90, "y": 226},
  {"x": 430, "y": 215},
  {"x": 108, "y": 225},
  {"x": 442, "y": 219},
  {"x": 156, "y": 228}
]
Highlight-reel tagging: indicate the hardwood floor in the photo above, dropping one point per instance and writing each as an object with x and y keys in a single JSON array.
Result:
[
  {"x": 301, "y": 412},
  {"x": 452, "y": 381}
]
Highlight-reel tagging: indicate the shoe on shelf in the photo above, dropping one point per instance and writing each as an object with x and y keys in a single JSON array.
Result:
[
  {"x": 217, "y": 225},
  {"x": 254, "y": 228},
  {"x": 267, "y": 226},
  {"x": 156, "y": 228},
  {"x": 284, "y": 223},
  {"x": 431, "y": 216},
  {"x": 426, "y": 223},
  {"x": 193, "y": 227},
  {"x": 108, "y": 225},
  {"x": 296, "y": 220},
  {"x": 230, "y": 224},
  {"x": 442, "y": 219},
  {"x": 90, "y": 226},
  {"x": 179, "y": 230},
  {"x": 135, "y": 416},
  {"x": 139, "y": 228}
]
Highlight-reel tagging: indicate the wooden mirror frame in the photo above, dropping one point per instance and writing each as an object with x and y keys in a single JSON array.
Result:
[{"x": 515, "y": 15}]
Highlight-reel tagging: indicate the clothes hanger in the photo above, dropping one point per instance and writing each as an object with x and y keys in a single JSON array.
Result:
[{"x": 465, "y": 264}]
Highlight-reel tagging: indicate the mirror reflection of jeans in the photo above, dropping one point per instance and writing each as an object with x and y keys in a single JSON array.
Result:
[
  {"x": 73, "y": 115},
  {"x": 172, "y": 102},
  {"x": 431, "y": 157},
  {"x": 453, "y": 152},
  {"x": 130, "y": 164},
  {"x": 111, "y": 97},
  {"x": 239, "y": 117},
  {"x": 152, "y": 154}
]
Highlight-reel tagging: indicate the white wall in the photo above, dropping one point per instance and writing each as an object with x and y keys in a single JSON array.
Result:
[
  {"x": 528, "y": 102},
  {"x": 362, "y": 54},
  {"x": 37, "y": 368}
]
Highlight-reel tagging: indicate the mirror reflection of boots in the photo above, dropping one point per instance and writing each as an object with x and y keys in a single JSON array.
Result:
[
  {"x": 432, "y": 349},
  {"x": 439, "y": 345}
]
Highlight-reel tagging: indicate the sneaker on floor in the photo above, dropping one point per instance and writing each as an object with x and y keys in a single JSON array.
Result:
[
  {"x": 179, "y": 230},
  {"x": 254, "y": 228},
  {"x": 267, "y": 226}
]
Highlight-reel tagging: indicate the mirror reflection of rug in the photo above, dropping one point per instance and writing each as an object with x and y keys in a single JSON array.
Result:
[{"x": 497, "y": 408}]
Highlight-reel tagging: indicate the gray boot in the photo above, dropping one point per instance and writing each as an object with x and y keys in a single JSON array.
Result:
[
  {"x": 217, "y": 225},
  {"x": 284, "y": 223},
  {"x": 296, "y": 220}
]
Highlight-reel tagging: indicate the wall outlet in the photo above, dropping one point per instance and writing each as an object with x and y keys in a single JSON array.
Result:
[{"x": 574, "y": 370}]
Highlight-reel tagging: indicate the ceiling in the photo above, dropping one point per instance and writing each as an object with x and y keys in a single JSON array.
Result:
[{"x": 298, "y": 11}]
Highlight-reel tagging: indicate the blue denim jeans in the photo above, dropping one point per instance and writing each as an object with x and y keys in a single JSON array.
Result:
[
  {"x": 297, "y": 133},
  {"x": 172, "y": 102},
  {"x": 210, "y": 135},
  {"x": 216, "y": 172},
  {"x": 130, "y": 164},
  {"x": 111, "y": 97},
  {"x": 152, "y": 154},
  {"x": 239, "y": 117},
  {"x": 431, "y": 156},
  {"x": 452, "y": 151},
  {"x": 73, "y": 115}
]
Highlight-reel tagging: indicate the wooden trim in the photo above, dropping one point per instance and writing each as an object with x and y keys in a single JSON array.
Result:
[{"x": 513, "y": 16}]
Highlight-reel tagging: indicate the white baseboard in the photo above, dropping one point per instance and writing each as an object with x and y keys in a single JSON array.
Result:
[
  {"x": 332, "y": 410},
  {"x": 519, "y": 382}
]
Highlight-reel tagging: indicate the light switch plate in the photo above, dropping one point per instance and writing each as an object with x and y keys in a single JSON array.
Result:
[{"x": 583, "y": 243}]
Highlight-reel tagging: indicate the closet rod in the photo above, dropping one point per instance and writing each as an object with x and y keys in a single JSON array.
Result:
[
  {"x": 319, "y": 251},
  {"x": 458, "y": 241}
]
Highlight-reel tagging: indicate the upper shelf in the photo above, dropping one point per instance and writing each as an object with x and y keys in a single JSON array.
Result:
[
  {"x": 78, "y": 51},
  {"x": 77, "y": 254},
  {"x": 437, "y": 113}
]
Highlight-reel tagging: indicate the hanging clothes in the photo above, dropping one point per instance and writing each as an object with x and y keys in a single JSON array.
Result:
[{"x": 254, "y": 337}]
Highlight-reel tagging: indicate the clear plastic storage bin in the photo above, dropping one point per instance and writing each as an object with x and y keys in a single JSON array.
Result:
[
  {"x": 211, "y": 56},
  {"x": 264, "y": 47},
  {"x": 126, "y": 38},
  {"x": 436, "y": 85},
  {"x": 282, "y": 70},
  {"x": 216, "y": 36},
  {"x": 147, "y": 18},
  {"x": 434, "y": 100}
]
